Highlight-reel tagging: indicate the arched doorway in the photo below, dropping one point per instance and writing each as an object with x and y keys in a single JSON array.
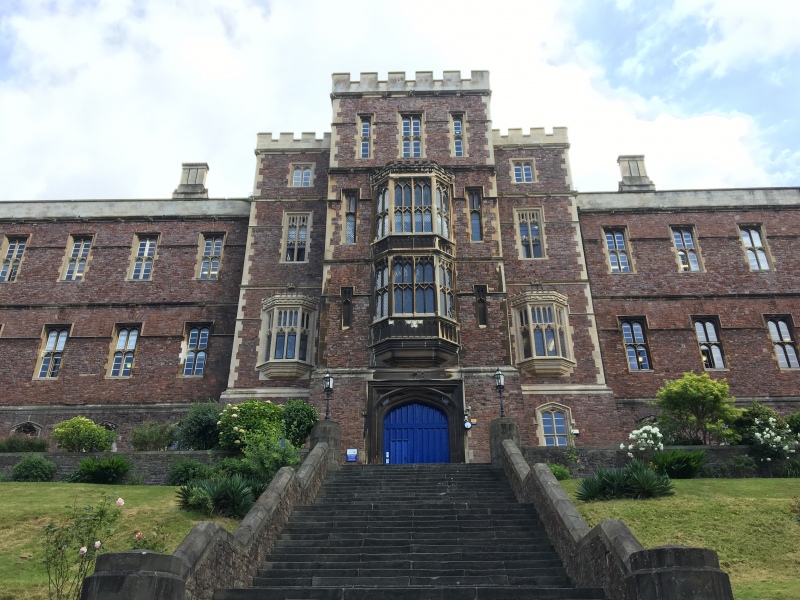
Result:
[{"x": 416, "y": 433}]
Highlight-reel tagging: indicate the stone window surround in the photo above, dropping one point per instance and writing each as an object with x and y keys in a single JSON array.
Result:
[
  {"x": 782, "y": 342},
  {"x": 521, "y": 160},
  {"x": 137, "y": 238},
  {"x": 4, "y": 246},
  {"x": 271, "y": 368},
  {"x": 470, "y": 213},
  {"x": 463, "y": 137},
  {"x": 346, "y": 212},
  {"x": 518, "y": 240},
  {"x": 553, "y": 407},
  {"x": 759, "y": 228},
  {"x": 287, "y": 215},
  {"x": 44, "y": 352},
  {"x": 113, "y": 350},
  {"x": 202, "y": 237},
  {"x": 545, "y": 366},
  {"x": 20, "y": 428},
  {"x": 68, "y": 258},
  {"x": 642, "y": 321},
  {"x": 400, "y": 138},
  {"x": 370, "y": 118},
  {"x": 614, "y": 229},
  {"x": 442, "y": 293},
  {"x": 302, "y": 165},
  {"x": 441, "y": 215},
  {"x": 701, "y": 323},
  {"x": 695, "y": 249},
  {"x": 185, "y": 349}
]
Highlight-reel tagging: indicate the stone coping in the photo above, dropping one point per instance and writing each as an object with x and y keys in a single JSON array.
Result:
[
  {"x": 211, "y": 557},
  {"x": 609, "y": 555}
]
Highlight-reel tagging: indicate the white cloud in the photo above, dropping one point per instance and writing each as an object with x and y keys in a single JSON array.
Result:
[{"x": 107, "y": 99}]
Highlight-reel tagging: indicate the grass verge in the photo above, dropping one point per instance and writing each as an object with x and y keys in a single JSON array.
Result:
[
  {"x": 746, "y": 521},
  {"x": 25, "y": 508}
]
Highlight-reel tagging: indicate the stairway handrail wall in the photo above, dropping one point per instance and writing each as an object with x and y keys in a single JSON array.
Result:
[
  {"x": 211, "y": 557},
  {"x": 609, "y": 555}
]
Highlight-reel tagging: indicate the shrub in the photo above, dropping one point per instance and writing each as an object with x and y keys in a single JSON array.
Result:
[
  {"x": 153, "y": 436},
  {"x": 745, "y": 422},
  {"x": 644, "y": 483},
  {"x": 679, "y": 464},
  {"x": 560, "y": 472},
  {"x": 772, "y": 439},
  {"x": 185, "y": 470},
  {"x": 636, "y": 481},
  {"x": 615, "y": 483},
  {"x": 791, "y": 468},
  {"x": 793, "y": 421},
  {"x": 228, "y": 496},
  {"x": 80, "y": 434},
  {"x": 105, "y": 470},
  {"x": 696, "y": 410},
  {"x": 644, "y": 441},
  {"x": 232, "y": 466},
  {"x": 18, "y": 442},
  {"x": 198, "y": 429},
  {"x": 251, "y": 416},
  {"x": 33, "y": 467},
  {"x": 264, "y": 454},
  {"x": 299, "y": 419},
  {"x": 743, "y": 466}
]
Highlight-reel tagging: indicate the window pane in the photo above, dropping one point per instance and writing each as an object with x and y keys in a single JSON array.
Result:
[
  {"x": 188, "y": 368},
  {"x": 200, "y": 364},
  {"x": 547, "y": 424},
  {"x": 559, "y": 421}
]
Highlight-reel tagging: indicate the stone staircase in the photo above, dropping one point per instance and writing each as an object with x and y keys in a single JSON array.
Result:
[{"x": 413, "y": 532}]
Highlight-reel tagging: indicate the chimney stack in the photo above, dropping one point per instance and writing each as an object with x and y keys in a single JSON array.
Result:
[
  {"x": 634, "y": 176},
  {"x": 193, "y": 181}
]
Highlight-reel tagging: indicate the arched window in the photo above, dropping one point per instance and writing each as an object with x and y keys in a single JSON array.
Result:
[
  {"x": 52, "y": 353},
  {"x": 125, "y": 350},
  {"x": 636, "y": 351},
  {"x": 781, "y": 334},
  {"x": 554, "y": 425},
  {"x": 475, "y": 216},
  {"x": 28, "y": 428},
  {"x": 196, "y": 351},
  {"x": 710, "y": 344}
]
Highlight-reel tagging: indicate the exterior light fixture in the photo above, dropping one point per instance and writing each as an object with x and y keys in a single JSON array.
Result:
[
  {"x": 500, "y": 384},
  {"x": 327, "y": 385}
]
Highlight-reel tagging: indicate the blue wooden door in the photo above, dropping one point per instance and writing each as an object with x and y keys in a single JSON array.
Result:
[{"x": 415, "y": 433}]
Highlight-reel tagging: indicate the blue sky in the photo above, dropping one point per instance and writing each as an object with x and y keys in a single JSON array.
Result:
[{"x": 105, "y": 98}]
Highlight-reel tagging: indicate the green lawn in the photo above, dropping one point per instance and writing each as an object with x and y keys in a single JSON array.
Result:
[
  {"x": 25, "y": 508},
  {"x": 746, "y": 521}
]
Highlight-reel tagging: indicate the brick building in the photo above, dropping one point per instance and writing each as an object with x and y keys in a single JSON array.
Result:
[{"x": 411, "y": 252}]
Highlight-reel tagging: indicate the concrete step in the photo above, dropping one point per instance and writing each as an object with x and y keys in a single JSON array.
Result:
[
  {"x": 411, "y": 581},
  {"x": 411, "y": 593},
  {"x": 521, "y": 566}
]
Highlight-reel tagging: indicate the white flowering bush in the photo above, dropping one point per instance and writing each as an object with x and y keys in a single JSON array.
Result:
[
  {"x": 644, "y": 440},
  {"x": 251, "y": 416},
  {"x": 773, "y": 440}
]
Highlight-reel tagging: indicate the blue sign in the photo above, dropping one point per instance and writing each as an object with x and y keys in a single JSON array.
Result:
[{"x": 352, "y": 455}]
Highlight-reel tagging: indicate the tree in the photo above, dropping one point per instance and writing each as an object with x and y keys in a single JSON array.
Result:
[{"x": 696, "y": 410}]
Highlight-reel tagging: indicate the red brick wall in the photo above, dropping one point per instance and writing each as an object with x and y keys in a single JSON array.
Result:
[{"x": 725, "y": 288}]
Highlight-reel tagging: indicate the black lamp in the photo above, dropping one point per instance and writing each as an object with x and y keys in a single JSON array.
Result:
[
  {"x": 327, "y": 385},
  {"x": 500, "y": 384}
]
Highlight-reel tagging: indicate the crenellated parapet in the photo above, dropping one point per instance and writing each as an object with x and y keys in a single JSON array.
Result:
[
  {"x": 423, "y": 83},
  {"x": 536, "y": 137},
  {"x": 286, "y": 142}
]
